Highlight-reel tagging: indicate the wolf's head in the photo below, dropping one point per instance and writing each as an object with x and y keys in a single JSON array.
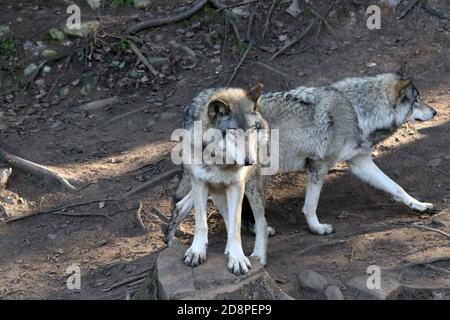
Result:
[
  {"x": 235, "y": 113},
  {"x": 406, "y": 102}
]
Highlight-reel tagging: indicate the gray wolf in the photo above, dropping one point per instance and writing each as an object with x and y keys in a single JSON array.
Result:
[
  {"x": 228, "y": 111},
  {"x": 320, "y": 126}
]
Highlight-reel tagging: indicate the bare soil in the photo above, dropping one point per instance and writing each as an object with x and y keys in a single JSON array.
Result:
[{"x": 116, "y": 253}]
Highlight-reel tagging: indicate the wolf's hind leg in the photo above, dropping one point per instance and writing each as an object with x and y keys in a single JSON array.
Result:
[
  {"x": 182, "y": 209},
  {"x": 261, "y": 228},
  {"x": 364, "y": 168},
  {"x": 316, "y": 177}
]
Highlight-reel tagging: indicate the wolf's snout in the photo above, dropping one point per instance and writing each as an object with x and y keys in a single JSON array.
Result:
[
  {"x": 247, "y": 162},
  {"x": 434, "y": 112}
]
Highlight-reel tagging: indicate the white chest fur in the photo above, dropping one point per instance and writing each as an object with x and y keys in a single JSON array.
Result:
[{"x": 217, "y": 176}]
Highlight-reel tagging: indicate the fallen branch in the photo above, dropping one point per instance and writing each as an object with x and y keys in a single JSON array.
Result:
[
  {"x": 428, "y": 229},
  {"x": 269, "y": 17},
  {"x": 164, "y": 21},
  {"x": 82, "y": 215},
  {"x": 99, "y": 104},
  {"x": 240, "y": 4},
  {"x": 294, "y": 41},
  {"x": 138, "y": 215},
  {"x": 126, "y": 114},
  {"x": 239, "y": 64},
  {"x": 435, "y": 13},
  {"x": 59, "y": 209},
  {"x": 274, "y": 70},
  {"x": 42, "y": 65},
  {"x": 151, "y": 182},
  {"x": 409, "y": 8},
  {"x": 37, "y": 169},
  {"x": 417, "y": 263},
  {"x": 142, "y": 58}
]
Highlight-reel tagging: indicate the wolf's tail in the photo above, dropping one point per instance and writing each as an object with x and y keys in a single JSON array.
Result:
[{"x": 183, "y": 206}]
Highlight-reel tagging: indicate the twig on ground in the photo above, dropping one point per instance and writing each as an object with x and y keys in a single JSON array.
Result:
[
  {"x": 421, "y": 227},
  {"x": 251, "y": 19},
  {"x": 42, "y": 65},
  {"x": 240, "y": 4},
  {"x": 236, "y": 69},
  {"x": 408, "y": 9},
  {"x": 323, "y": 21},
  {"x": 294, "y": 41},
  {"x": 126, "y": 114},
  {"x": 142, "y": 58},
  {"x": 435, "y": 13},
  {"x": 151, "y": 182},
  {"x": 37, "y": 169},
  {"x": 269, "y": 17},
  {"x": 151, "y": 23},
  {"x": 417, "y": 263},
  {"x": 99, "y": 104},
  {"x": 437, "y": 268},
  {"x": 274, "y": 70},
  {"x": 58, "y": 209},
  {"x": 138, "y": 215},
  {"x": 229, "y": 16},
  {"x": 82, "y": 215}
]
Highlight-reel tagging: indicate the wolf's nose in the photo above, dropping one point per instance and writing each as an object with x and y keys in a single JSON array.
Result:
[
  {"x": 434, "y": 113},
  {"x": 247, "y": 162}
]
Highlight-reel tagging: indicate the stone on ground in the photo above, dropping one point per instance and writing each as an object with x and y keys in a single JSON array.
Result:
[
  {"x": 389, "y": 289},
  {"x": 311, "y": 280}
]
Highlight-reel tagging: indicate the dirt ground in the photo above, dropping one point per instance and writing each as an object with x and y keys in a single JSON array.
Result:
[{"x": 116, "y": 251}]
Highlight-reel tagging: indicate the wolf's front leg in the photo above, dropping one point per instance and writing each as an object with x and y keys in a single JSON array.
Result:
[
  {"x": 364, "y": 168},
  {"x": 316, "y": 176},
  {"x": 238, "y": 263},
  {"x": 196, "y": 254}
]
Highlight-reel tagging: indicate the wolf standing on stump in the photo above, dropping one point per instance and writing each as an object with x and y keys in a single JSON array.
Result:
[
  {"x": 342, "y": 122},
  {"x": 230, "y": 112}
]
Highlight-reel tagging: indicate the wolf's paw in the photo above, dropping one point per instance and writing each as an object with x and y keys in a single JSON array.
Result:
[
  {"x": 238, "y": 264},
  {"x": 423, "y": 206},
  {"x": 260, "y": 256},
  {"x": 321, "y": 228},
  {"x": 194, "y": 257}
]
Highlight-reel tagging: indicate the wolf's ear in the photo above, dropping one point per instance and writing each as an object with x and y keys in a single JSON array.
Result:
[
  {"x": 398, "y": 91},
  {"x": 217, "y": 108},
  {"x": 254, "y": 93},
  {"x": 400, "y": 86}
]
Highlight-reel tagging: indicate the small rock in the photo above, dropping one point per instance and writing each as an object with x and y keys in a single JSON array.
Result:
[
  {"x": 30, "y": 69},
  {"x": 294, "y": 9},
  {"x": 344, "y": 214},
  {"x": 52, "y": 236},
  {"x": 3, "y": 30},
  {"x": 334, "y": 293},
  {"x": 434, "y": 163},
  {"x": 309, "y": 279},
  {"x": 49, "y": 54},
  {"x": 101, "y": 243},
  {"x": 142, "y": 4},
  {"x": 56, "y": 34},
  {"x": 101, "y": 204},
  {"x": 168, "y": 115},
  {"x": 371, "y": 65},
  {"x": 27, "y": 45}
]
